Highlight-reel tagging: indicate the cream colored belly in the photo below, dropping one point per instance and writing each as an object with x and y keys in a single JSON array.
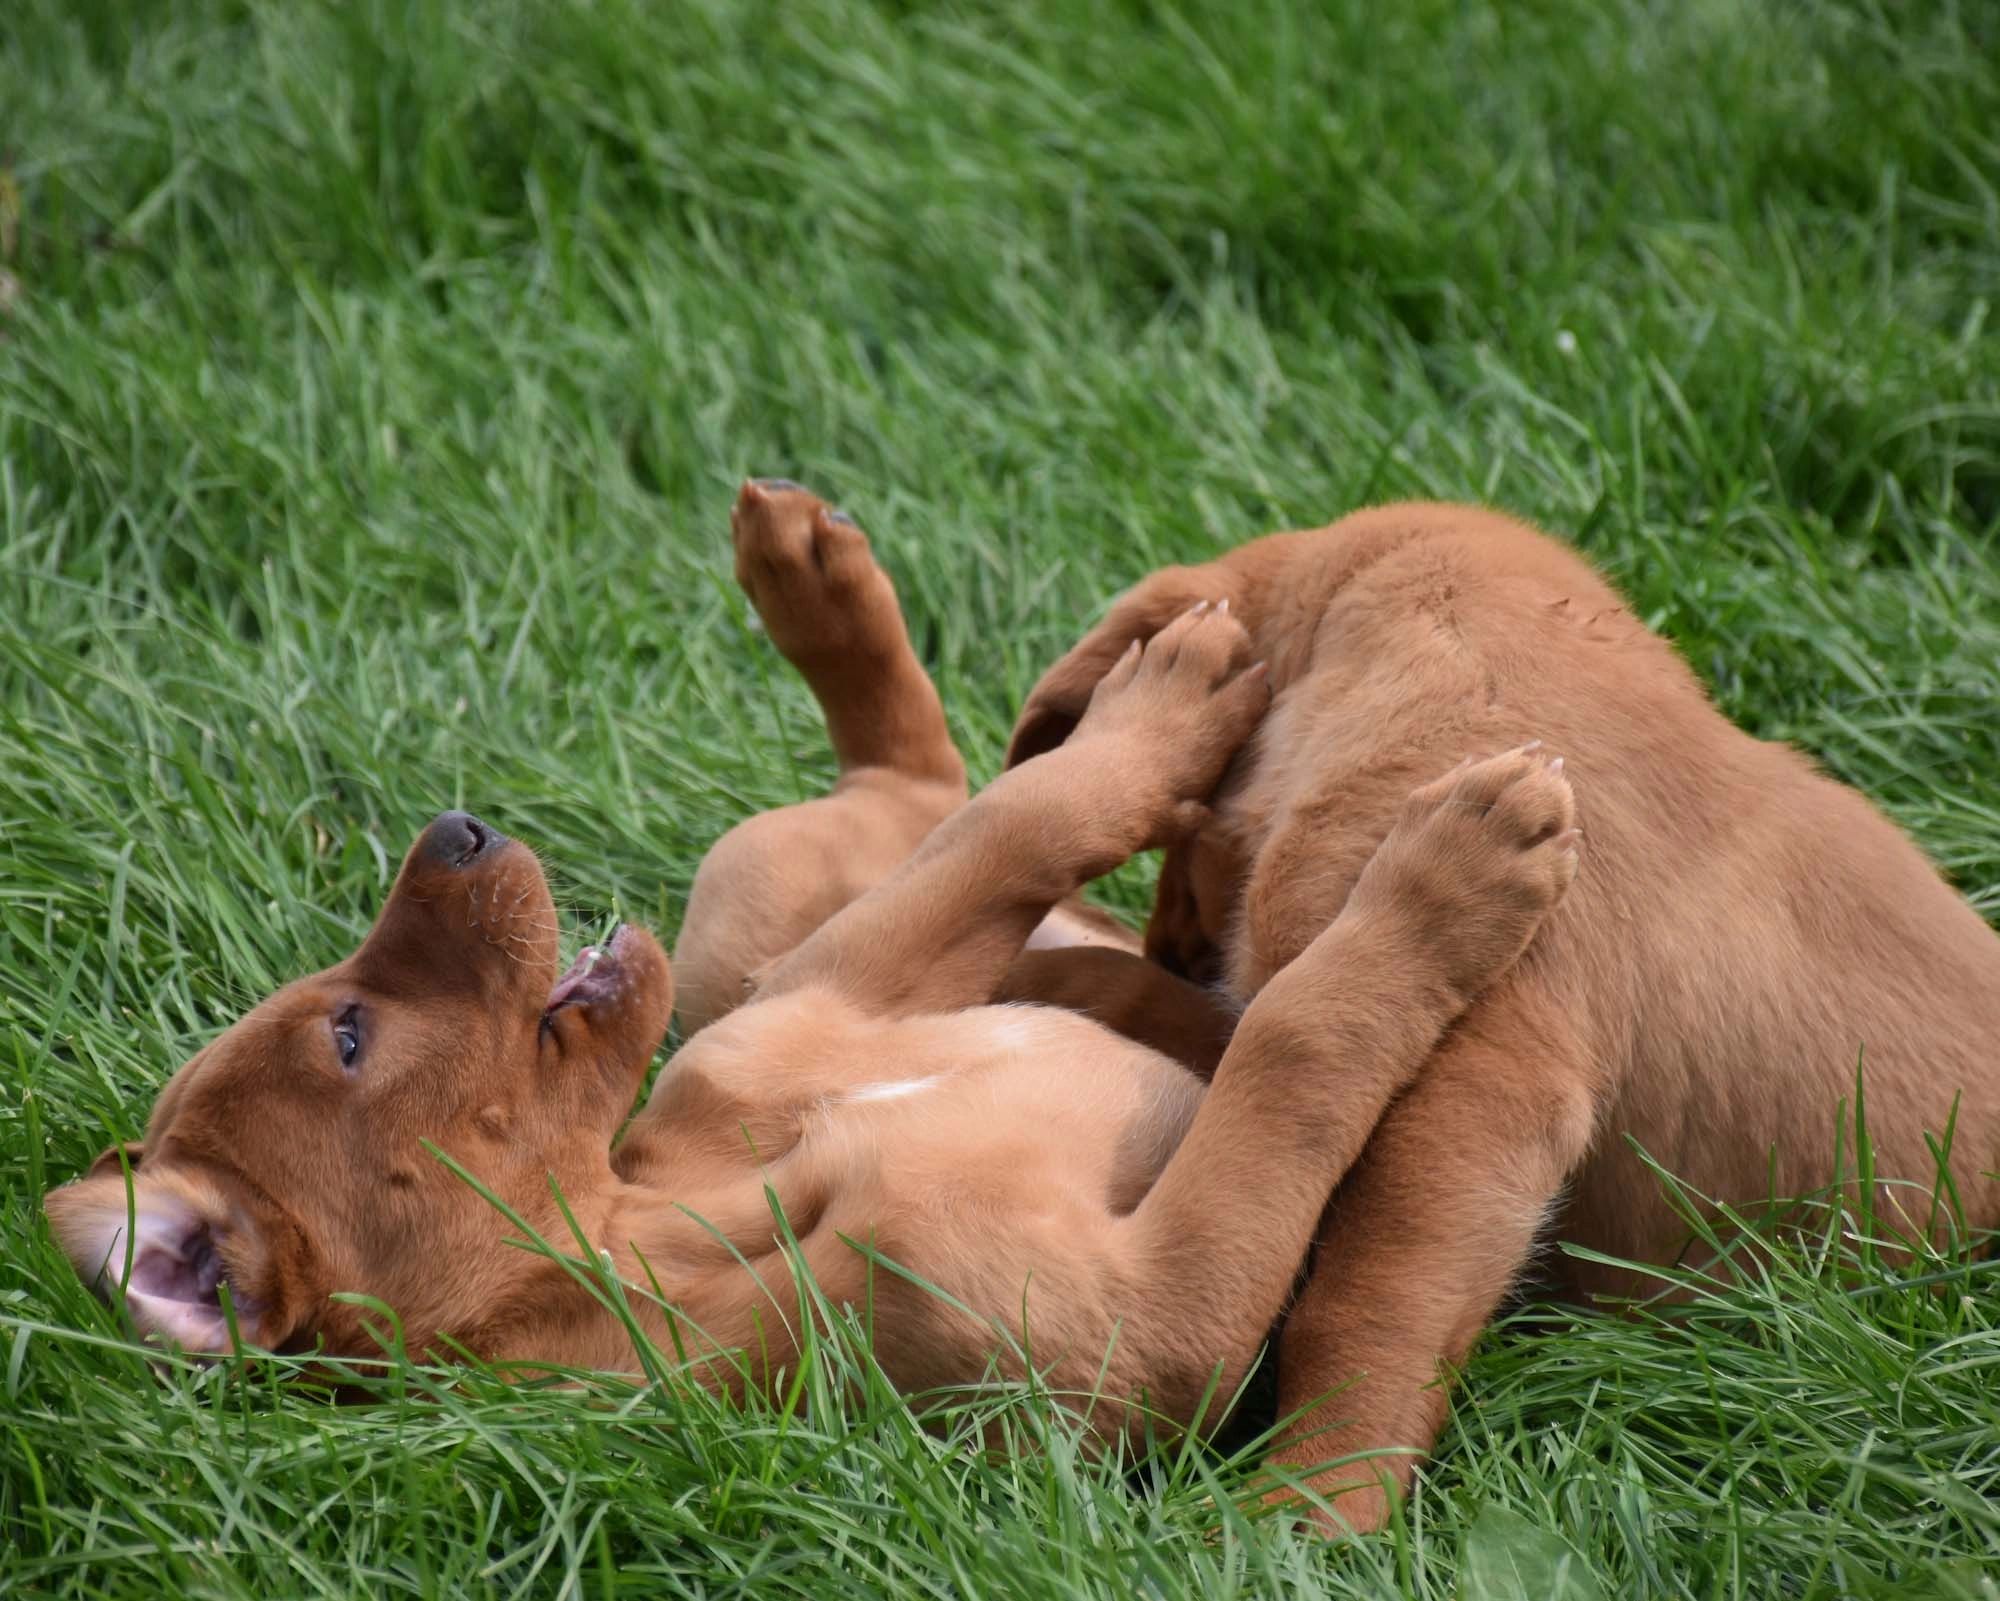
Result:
[
  {"x": 994, "y": 1179},
  {"x": 974, "y": 1111},
  {"x": 984, "y": 1153},
  {"x": 1022, "y": 1103}
]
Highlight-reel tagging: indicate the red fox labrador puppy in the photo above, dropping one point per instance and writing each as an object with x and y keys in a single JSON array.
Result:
[
  {"x": 1748, "y": 932},
  {"x": 1024, "y": 1160}
]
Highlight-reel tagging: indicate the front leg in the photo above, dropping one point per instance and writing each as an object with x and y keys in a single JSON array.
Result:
[
  {"x": 940, "y": 932},
  {"x": 1448, "y": 902},
  {"x": 1420, "y": 1244}
]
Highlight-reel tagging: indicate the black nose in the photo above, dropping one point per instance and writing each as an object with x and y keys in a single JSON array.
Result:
[{"x": 458, "y": 839}]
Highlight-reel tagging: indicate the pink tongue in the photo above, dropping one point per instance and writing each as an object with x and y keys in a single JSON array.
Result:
[{"x": 579, "y": 970}]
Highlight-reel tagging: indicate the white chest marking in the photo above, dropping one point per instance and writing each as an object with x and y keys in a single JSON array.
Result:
[
  {"x": 1015, "y": 1032},
  {"x": 895, "y": 1090}
]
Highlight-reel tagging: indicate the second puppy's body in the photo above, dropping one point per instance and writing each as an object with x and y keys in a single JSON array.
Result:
[{"x": 1749, "y": 934}]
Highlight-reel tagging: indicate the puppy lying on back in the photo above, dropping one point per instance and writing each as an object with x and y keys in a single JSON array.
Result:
[
  {"x": 1747, "y": 934},
  {"x": 1027, "y": 1162}
]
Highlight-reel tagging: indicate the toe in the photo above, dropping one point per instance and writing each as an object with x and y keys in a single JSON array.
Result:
[
  {"x": 1483, "y": 783},
  {"x": 1164, "y": 648},
  {"x": 1536, "y": 806},
  {"x": 839, "y": 545}
]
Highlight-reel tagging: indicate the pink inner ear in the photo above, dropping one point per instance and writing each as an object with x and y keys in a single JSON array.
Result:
[
  {"x": 188, "y": 1270},
  {"x": 174, "y": 1289}
]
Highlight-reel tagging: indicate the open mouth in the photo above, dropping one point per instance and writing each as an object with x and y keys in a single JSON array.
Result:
[{"x": 596, "y": 975}]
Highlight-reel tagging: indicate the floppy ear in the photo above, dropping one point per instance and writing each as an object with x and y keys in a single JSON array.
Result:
[
  {"x": 1056, "y": 704},
  {"x": 173, "y": 1244},
  {"x": 109, "y": 1159}
]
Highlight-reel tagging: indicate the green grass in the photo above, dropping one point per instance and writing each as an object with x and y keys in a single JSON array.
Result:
[{"x": 374, "y": 383}]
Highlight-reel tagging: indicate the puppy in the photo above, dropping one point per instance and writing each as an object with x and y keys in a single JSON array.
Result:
[
  {"x": 1040, "y": 1182},
  {"x": 1750, "y": 935}
]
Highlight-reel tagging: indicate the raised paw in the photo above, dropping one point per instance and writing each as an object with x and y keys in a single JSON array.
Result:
[
  {"x": 1477, "y": 860},
  {"x": 809, "y": 572},
  {"x": 1174, "y": 711}
]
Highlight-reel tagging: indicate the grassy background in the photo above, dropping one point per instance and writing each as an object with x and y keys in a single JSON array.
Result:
[{"x": 373, "y": 380}]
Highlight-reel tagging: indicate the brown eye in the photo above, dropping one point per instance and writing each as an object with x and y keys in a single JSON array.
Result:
[{"x": 347, "y": 1036}]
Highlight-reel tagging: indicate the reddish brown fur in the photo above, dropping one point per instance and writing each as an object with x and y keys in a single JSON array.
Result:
[
  {"x": 1010, "y": 1155},
  {"x": 1746, "y": 930}
]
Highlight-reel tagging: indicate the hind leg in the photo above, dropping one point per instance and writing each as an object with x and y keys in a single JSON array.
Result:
[
  {"x": 942, "y": 931},
  {"x": 769, "y": 882}
]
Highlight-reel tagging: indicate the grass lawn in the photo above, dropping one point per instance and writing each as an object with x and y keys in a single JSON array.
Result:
[{"x": 374, "y": 378}]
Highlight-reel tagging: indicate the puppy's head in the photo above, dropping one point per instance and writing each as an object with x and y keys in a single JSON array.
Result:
[{"x": 287, "y": 1160}]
